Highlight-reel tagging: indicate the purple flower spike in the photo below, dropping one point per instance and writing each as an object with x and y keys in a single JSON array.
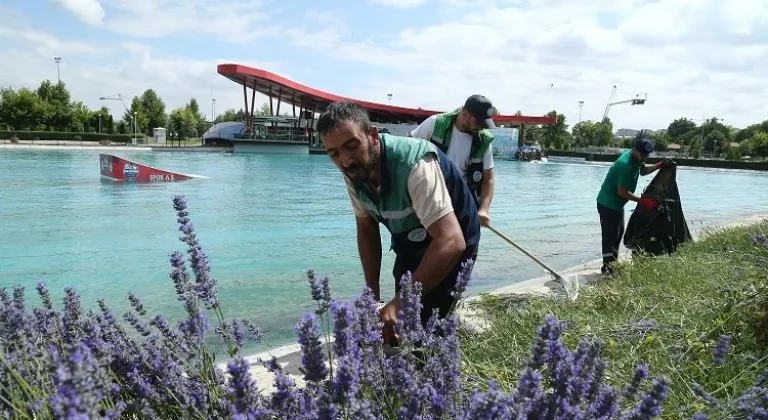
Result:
[
  {"x": 723, "y": 345},
  {"x": 205, "y": 284},
  {"x": 463, "y": 278},
  {"x": 409, "y": 328},
  {"x": 242, "y": 387},
  {"x": 313, "y": 356}
]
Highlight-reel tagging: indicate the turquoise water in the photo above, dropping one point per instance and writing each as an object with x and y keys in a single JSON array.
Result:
[{"x": 265, "y": 219}]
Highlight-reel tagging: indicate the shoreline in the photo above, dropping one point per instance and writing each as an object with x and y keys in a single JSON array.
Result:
[
  {"x": 195, "y": 149},
  {"x": 289, "y": 355}
]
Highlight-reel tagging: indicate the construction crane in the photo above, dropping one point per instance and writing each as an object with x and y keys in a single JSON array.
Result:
[{"x": 636, "y": 101}]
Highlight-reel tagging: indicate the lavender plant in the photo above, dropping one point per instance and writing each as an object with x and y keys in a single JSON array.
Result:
[{"x": 75, "y": 364}]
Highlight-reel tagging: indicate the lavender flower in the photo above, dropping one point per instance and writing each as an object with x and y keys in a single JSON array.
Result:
[
  {"x": 409, "y": 327},
  {"x": 463, "y": 278},
  {"x": 348, "y": 354},
  {"x": 76, "y": 396},
  {"x": 205, "y": 284},
  {"x": 312, "y": 355},
  {"x": 242, "y": 387},
  {"x": 650, "y": 406},
  {"x": 86, "y": 365},
  {"x": 641, "y": 372},
  {"x": 723, "y": 345},
  {"x": 320, "y": 288}
]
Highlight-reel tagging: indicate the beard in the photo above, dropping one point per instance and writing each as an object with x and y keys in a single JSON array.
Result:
[{"x": 359, "y": 173}]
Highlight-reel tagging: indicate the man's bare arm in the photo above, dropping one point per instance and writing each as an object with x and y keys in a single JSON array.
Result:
[
  {"x": 649, "y": 169},
  {"x": 625, "y": 194},
  {"x": 433, "y": 205},
  {"x": 442, "y": 253},
  {"x": 486, "y": 192},
  {"x": 369, "y": 247}
]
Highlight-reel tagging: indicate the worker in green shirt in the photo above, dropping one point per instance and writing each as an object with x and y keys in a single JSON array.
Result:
[{"x": 617, "y": 189}]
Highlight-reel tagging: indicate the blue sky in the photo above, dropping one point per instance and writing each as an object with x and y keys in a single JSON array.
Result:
[{"x": 693, "y": 58}]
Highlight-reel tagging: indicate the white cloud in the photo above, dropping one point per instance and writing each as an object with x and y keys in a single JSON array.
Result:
[
  {"x": 89, "y": 11},
  {"x": 128, "y": 70},
  {"x": 692, "y": 58},
  {"x": 399, "y": 4}
]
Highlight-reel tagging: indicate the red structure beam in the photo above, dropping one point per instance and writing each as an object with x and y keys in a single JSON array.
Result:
[{"x": 317, "y": 100}]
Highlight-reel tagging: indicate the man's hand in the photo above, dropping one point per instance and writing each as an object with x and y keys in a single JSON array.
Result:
[
  {"x": 668, "y": 163},
  {"x": 485, "y": 218},
  {"x": 388, "y": 315},
  {"x": 648, "y": 203}
]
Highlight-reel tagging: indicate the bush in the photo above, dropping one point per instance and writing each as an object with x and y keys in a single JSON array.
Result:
[
  {"x": 76, "y": 364},
  {"x": 59, "y": 135}
]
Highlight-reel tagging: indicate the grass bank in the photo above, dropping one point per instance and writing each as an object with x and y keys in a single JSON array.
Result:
[{"x": 669, "y": 312}]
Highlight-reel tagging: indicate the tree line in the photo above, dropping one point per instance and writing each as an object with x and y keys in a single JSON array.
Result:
[
  {"x": 50, "y": 108},
  {"x": 711, "y": 137}
]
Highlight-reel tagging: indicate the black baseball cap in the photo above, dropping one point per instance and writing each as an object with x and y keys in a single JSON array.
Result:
[
  {"x": 644, "y": 146},
  {"x": 481, "y": 108}
]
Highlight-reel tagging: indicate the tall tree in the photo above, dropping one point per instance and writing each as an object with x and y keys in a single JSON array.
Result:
[
  {"x": 230, "y": 115},
  {"x": 183, "y": 121},
  {"x": 604, "y": 133},
  {"x": 81, "y": 117},
  {"x": 680, "y": 127},
  {"x": 555, "y": 135},
  {"x": 136, "y": 110},
  {"x": 154, "y": 108},
  {"x": 57, "y": 105},
  {"x": 199, "y": 125},
  {"x": 584, "y": 133}
]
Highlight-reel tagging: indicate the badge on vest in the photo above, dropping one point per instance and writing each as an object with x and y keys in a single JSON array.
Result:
[
  {"x": 417, "y": 235},
  {"x": 477, "y": 176}
]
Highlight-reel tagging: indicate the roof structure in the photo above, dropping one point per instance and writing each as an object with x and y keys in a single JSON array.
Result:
[{"x": 316, "y": 100}]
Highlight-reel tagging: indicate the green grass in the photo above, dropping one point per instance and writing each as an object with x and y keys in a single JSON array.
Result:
[{"x": 716, "y": 286}]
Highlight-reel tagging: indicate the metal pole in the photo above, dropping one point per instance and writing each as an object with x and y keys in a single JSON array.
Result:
[
  {"x": 701, "y": 146},
  {"x": 581, "y": 104},
  {"x": 58, "y": 72}
]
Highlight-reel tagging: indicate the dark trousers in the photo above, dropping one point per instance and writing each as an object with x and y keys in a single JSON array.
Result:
[
  {"x": 440, "y": 297},
  {"x": 612, "y": 228}
]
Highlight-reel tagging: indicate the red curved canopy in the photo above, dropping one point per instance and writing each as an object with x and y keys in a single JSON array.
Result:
[{"x": 295, "y": 93}]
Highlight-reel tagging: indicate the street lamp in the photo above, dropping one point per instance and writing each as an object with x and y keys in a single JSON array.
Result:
[
  {"x": 58, "y": 73},
  {"x": 581, "y": 104},
  {"x": 119, "y": 97},
  {"x": 389, "y": 98}
]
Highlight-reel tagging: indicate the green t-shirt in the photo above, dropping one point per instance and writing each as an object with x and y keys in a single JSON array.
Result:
[{"x": 625, "y": 172}]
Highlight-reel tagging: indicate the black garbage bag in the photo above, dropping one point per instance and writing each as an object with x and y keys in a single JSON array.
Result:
[{"x": 659, "y": 231}]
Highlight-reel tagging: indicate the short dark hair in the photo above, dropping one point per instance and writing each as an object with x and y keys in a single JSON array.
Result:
[{"x": 338, "y": 112}]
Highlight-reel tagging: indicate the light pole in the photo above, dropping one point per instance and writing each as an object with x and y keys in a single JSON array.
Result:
[
  {"x": 389, "y": 98},
  {"x": 58, "y": 73},
  {"x": 213, "y": 107},
  {"x": 119, "y": 97},
  {"x": 581, "y": 104}
]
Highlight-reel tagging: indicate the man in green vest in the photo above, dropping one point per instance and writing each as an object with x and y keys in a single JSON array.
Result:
[
  {"x": 412, "y": 188},
  {"x": 464, "y": 136},
  {"x": 617, "y": 189}
]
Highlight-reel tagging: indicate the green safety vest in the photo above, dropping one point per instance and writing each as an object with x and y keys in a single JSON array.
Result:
[
  {"x": 392, "y": 205},
  {"x": 481, "y": 141}
]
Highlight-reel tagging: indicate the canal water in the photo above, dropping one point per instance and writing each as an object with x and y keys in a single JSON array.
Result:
[{"x": 265, "y": 219}]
